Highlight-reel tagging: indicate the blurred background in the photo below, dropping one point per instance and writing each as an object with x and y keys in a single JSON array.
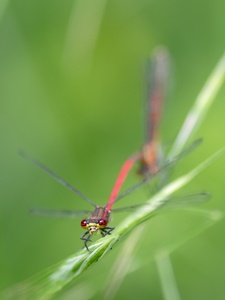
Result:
[{"x": 71, "y": 95}]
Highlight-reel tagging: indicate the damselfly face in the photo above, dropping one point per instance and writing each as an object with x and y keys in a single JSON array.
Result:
[{"x": 92, "y": 226}]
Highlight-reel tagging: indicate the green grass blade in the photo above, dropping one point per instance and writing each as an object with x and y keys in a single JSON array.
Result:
[
  {"x": 212, "y": 218},
  {"x": 200, "y": 108},
  {"x": 82, "y": 34},
  {"x": 3, "y": 6},
  {"x": 122, "y": 265},
  {"x": 167, "y": 277}
]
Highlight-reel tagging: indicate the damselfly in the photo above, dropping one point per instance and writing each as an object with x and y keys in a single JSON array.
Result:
[
  {"x": 100, "y": 217},
  {"x": 157, "y": 85}
]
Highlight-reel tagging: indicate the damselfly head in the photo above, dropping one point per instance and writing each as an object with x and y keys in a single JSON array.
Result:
[{"x": 94, "y": 227}]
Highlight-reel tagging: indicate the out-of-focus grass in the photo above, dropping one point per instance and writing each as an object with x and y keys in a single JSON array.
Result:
[{"x": 83, "y": 122}]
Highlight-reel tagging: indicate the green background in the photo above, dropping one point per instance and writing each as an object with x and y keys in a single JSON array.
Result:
[{"x": 71, "y": 95}]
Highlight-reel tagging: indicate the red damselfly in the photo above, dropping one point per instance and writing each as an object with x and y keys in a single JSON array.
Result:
[
  {"x": 100, "y": 217},
  {"x": 157, "y": 85}
]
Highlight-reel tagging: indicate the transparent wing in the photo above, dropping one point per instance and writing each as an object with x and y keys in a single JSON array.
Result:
[
  {"x": 173, "y": 203},
  {"x": 59, "y": 213},
  {"x": 56, "y": 177}
]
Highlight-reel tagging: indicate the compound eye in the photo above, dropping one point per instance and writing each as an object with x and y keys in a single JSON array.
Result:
[
  {"x": 102, "y": 222},
  {"x": 83, "y": 223}
]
